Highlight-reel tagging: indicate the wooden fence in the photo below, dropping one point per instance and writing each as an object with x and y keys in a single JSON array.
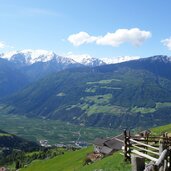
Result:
[{"x": 155, "y": 150}]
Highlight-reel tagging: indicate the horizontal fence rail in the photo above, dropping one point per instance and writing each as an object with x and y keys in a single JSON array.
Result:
[{"x": 156, "y": 149}]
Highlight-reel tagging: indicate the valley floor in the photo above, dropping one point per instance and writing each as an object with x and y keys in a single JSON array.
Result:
[{"x": 56, "y": 132}]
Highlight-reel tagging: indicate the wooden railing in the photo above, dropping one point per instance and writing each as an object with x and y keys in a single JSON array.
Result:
[{"x": 153, "y": 149}]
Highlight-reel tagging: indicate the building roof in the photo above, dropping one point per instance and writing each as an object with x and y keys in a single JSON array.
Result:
[
  {"x": 114, "y": 143},
  {"x": 99, "y": 141},
  {"x": 106, "y": 150}
]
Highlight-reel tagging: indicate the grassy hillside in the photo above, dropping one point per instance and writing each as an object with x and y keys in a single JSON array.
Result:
[
  {"x": 162, "y": 129},
  {"x": 13, "y": 148},
  {"x": 73, "y": 161}
]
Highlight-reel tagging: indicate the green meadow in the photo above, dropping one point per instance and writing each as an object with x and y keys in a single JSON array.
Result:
[{"x": 74, "y": 161}]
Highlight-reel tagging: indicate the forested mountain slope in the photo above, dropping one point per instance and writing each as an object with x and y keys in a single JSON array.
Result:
[{"x": 126, "y": 94}]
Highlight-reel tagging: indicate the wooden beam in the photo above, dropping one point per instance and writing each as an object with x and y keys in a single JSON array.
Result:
[
  {"x": 146, "y": 145},
  {"x": 162, "y": 157},
  {"x": 144, "y": 155},
  {"x": 152, "y": 137},
  {"x": 146, "y": 150},
  {"x": 119, "y": 140},
  {"x": 145, "y": 140}
]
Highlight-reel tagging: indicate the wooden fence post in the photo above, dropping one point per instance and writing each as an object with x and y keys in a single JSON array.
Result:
[
  {"x": 169, "y": 159},
  {"x": 161, "y": 163},
  {"x": 127, "y": 146},
  {"x": 161, "y": 148},
  {"x": 146, "y": 138},
  {"x": 137, "y": 162}
]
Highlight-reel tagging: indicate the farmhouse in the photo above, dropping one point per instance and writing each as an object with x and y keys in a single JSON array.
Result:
[{"x": 109, "y": 145}]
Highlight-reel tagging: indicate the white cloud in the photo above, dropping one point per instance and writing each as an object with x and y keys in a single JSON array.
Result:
[
  {"x": 2, "y": 45},
  {"x": 167, "y": 43},
  {"x": 135, "y": 36},
  {"x": 81, "y": 38}
]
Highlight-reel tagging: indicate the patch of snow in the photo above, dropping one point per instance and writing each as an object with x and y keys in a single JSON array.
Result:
[
  {"x": 8, "y": 55},
  {"x": 119, "y": 59},
  {"x": 86, "y": 59}
]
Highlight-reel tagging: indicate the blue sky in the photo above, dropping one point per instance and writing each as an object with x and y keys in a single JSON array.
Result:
[{"x": 100, "y": 28}]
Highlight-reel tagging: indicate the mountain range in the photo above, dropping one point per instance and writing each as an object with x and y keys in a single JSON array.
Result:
[
  {"x": 130, "y": 94},
  {"x": 29, "y": 57},
  {"x": 19, "y": 68}
]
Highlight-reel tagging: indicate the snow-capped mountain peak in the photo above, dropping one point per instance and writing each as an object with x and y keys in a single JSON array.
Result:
[
  {"x": 90, "y": 61},
  {"x": 119, "y": 59},
  {"x": 162, "y": 58},
  {"x": 61, "y": 59},
  {"x": 86, "y": 59},
  {"x": 158, "y": 58},
  {"x": 28, "y": 57},
  {"x": 34, "y": 56},
  {"x": 8, "y": 55}
]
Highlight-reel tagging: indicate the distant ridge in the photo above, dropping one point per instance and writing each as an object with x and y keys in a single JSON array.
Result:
[
  {"x": 11, "y": 141},
  {"x": 20, "y": 68}
]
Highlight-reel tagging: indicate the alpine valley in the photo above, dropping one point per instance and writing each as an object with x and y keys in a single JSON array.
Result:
[{"x": 130, "y": 94}]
